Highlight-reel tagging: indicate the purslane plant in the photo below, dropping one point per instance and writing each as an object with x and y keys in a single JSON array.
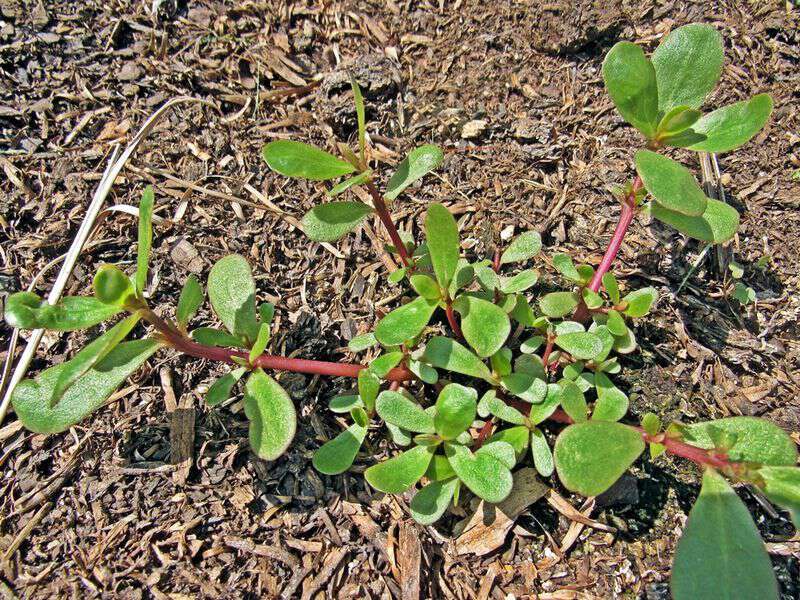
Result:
[{"x": 468, "y": 405}]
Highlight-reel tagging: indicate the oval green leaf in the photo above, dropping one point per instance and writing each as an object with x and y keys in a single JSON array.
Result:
[
  {"x": 485, "y": 326},
  {"x": 337, "y": 455},
  {"x": 396, "y": 475},
  {"x": 456, "y": 407},
  {"x": 232, "y": 291},
  {"x": 631, "y": 82},
  {"x": 753, "y": 440},
  {"x": 582, "y": 345},
  {"x": 717, "y": 224},
  {"x": 483, "y": 474},
  {"x": 395, "y": 408},
  {"x": 406, "y": 322},
  {"x": 296, "y": 159},
  {"x": 441, "y": 233},
  {"x": 445, "y": 353},
  {"x": 273, "y": 420},
  {"x": 671, "y": 184},
  {"x": 728, "y": 127},
  {"x": 558, "y": 304},
  {"x": 419, "y": 162},
  {"x": 328, "y": 222},
  {"x": 525, "y": 246},
  {"x": 430, "y": 503}
]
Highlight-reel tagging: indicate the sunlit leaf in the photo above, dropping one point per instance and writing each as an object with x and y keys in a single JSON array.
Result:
[
  {"x": 26, "y": 310},
  {"x": 112, "y": 286},
  {"x": 718, "y": 223},
  {"x": 406, "y": 322},
  {"x": 345, "y": 185},
  {"x": 384, "y": 363},
  {"x": 525, "y": 246},
  {"x": 582, "y": 345},
  {"x": 31, "y": 398},
  {"x": 573, "y": 401},
  {"x": 330, "y": 221},
  {"x": 369, "y": 384},
  {"x": 526, "y": 386},
  {"x": 673, "y": 185},
  {"x": 782, "y": 486},
  {"x": 295, "y": 159},
  {"x": 564, "y": 265},
  {"x": 612, "y": 403},
  {"x": 362, "y": 342},
  {"x": 485, "y": 325},
  {"x": 677, "y": 120},
  {"x": 337, "y": 455},
  {"x": 611, "y": 287},
  {"x": 639, "y": 302},
  {"x": 631, "y": 82},
  {"x": 232, "y": 291},
  {"x": 558, "y": 304},
  {"x": 456, "y": 407},
  {"x": 358, "y": 98},
  {"x": 396, "y": 475},
  {"x": 221, "y": 389},
  {"x": 542, "y": 455},
  {"x": 395, "y": 408},
  {"x": 483, "y": 474},
  {"x": 445, "y": 353},
  {"x": 208, "y": 336},
  {"x": 441, "y": 233},
  {"x": 190, "y": 300},
  {"x": 431, "y": 502},
  {"x": 145, "y": 238},
  {"x": 419, "y": 162},
  {"x": 755, "y": 440},
  {"x": 272, "y": 416}
]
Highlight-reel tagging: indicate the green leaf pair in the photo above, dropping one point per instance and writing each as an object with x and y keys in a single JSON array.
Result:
[{"x": 660, "y": 97}]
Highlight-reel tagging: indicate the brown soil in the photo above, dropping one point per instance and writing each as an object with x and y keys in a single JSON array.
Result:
[{"x": 110, "y": 516}]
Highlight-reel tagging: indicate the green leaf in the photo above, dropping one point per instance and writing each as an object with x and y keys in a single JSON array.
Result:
[
  {"x": 501, "y": 361},
  {"x": 591, "y": 299},
  {"x": 639, "y": 303},
  {"x": 26, "y": 310},
  {"x": 406, "y": 322},
  {"x": 517, "y": 437},
  {"x": 455, "y": 410},
  {"x": 782, "y": 486},
  {"x": 525, "y": 246},
  {"x": 445, "y": 353},
  {"x": 348, "y": 183},
  {"x": 441, "y": 233},
  {"x": 112, "y": 286},
  {"x": 573, "y": 401},
  {"x": 31, "y": 398},
  {"x": 612, "y": 403},
  {"x": 717, "y": 224},
  {"x": 502, "y": 451},
  {"x": 328, "y": 222},
  {"x": 564, "y": 265},
  {"x": 208, "y": 336},
  {"x": 91, "y": 355},
  {"x": 396, "y": 475},
  {"x": 425, "y": 372},
  {"x": 338, "y": 454},
  {"x": 439, "y": 469},
  {"x": 543, "y": 411},
  {"x": 612, "y": 287},
  {"x": 755, "y": 440},
  {"x": 529, "y": 387},
  {"x": 485, "y": 326},
  {"x": 743, "y": 294},
  {"x": 590, "y": 456},
  {"x": 232, "y": 291},
  {"x": 523, "y": 312},
  {"x": 615, "y": 323},
  {"x": 688, "y": 63},
  {"x": 726, "y": 128},
  {"x": 190, "y": 300},
  {"x": 483, "y": 474},
  {"x": 345, "y": 403},
  {"x": 519, "y": 282},
  {"x": 397, "y": 275},
  {"x": 369, "y": 384},
  {"x": 362, "y": 342},
  {"x": 721, "y": 544},
  {"x": 677, "y": 120},
  {"x": 419, "y": 162},
  {"x": 295, "y": 159},
  {"x": 490, "y": 404},
  {"x": 558, "y": 304},
  {"x": 260, "y": 343},
  {"x": 273, "y": 420},
  {"x": 430, "y": 503},
  {"x": 395, "y": 408},
  {"x": 673, "y": 185},
  {"x": 145, "y": 238},
  {"x": 542, "y": 455},
  {"x": 220, "y": 390},
  {"x": 651, "y": 423},
  {"x": 384, "y": 363},
  {"x": 582, "y": 345},
  {"x": 631, "y": 82},
  {"x": 425, "y": 286},
  {"x": 532, "y": 344},
  {"x": 358, "y": 98},
  {"x": 463, "y": 277}
]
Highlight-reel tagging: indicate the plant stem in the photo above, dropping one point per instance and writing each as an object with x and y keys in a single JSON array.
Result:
[
  {"x": 386, "y": 219},
  {"x": 266, "y": 361},
  {"x": 451, "y": 318},
  {"x": 625, "y": 218}
]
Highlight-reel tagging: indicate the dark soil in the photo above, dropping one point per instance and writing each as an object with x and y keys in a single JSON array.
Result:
[{"x": 109, "y": 514}]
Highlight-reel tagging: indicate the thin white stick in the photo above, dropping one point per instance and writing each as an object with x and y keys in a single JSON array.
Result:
[{"x": 113, "y": 169}]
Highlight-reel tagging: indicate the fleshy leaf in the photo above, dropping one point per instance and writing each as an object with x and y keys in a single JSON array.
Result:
[
  {"x": 525, "y": 246},
  {"x": 688, "y": 63},
  {"x": 396, "y": 475},
  {"x": 112, "y": 286},
  {"x": 338, "y": 454},
  {"x": 483, "y": 474},
  {"x": 782, "y": 486},
  {"x": 673, "y": 185},
  {"x": 456, "y": 407},
  {"x": 358, "y": 99},
  {"x": 519, "y": 282},
  {"x": 260, "y": 343},
  {"x": 542, "y": 411},
  {"x": 232, "y": 291},
  {"x": 611, "y": 286},
  {"x": 330, "y": 221},
  {"x": 431, "y": 502},
  {"x": 502, "y": 451},
  {"x": 145, "y": 238},
  {"x": 639, "y": 302},
  {"x": 31, "y": 398},
  {"x": 395, "y": 408},
  {"x": 631, "y": 82},
  {"x": 445, "y": 353},
  {"x": 754, "y": 440},
  {"x": 490, "y": 404},
  {"x": 368, "y": 386},
  {"x": 345, "y": 403},
  {"x": 441, "y": 233},
  {"x": 208, "y": 336},
  {"x": 348, "y": 183},
  {"x": 384, "y": 363},
  {"x": 518, "y": 437},
  {"x": 615, "y": 323},
  {"x": 273, "y": 420},
  {"x": 425, "y": 286},
  {"x": 26, "y": 310},
  {"x": 612, "y": 403},
  {"x": 484, "y": 324},
  {"x": 564, "y": 265},
  {"x": 419, "y": 162},
  {"x": 526, "y": 386},
  {"x": 558, "y": 304},
  {"x": 590, "y": 456},
  {"x": 220, "y": 390},
  {"x": 721, "y": 544},
  {"x": 296, "y": 159},
  {"x": 718, "y": 223},
  {"x": 362, "y": 342},
  {"x": 542, "y": 455},
  {"x": 91, "y": 355},
  {"x": 582, "y": 345},
  {"x": 190, "y": 300},
  {"x": 573, "y": 401},
  {"x": 406, "y": 322},
  {"x": 677, "y": 120},
  {"x": 726, "y": 128}
]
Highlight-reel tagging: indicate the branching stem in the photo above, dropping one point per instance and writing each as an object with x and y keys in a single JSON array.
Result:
[{"x": 386, "y": 219}]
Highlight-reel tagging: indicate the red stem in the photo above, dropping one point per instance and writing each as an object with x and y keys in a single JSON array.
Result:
[
  {"x": 451, "y": 318},
  {"x": 386, "y": 219}
]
